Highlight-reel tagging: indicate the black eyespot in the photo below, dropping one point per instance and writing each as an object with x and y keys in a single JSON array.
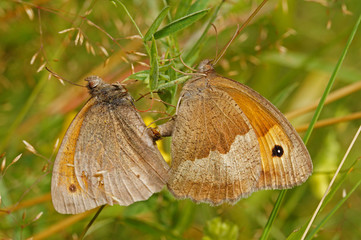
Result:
[
  {"x": 72, "y": 188},
  {"x": 277, "y": 151}
]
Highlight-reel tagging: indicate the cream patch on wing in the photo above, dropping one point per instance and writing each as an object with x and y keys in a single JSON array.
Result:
[{"x": 220, "y": 177}]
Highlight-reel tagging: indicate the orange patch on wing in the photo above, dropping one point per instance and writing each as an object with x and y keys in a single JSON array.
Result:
[
  {"x": 258, "y": 116},
  {"x": 66, "y": 169}
]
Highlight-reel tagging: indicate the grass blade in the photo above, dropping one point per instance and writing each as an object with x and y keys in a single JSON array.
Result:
[
  {"x": 273, "y": 215},
  {"x": 154, "y": 67},
  {"x": 180, "y": 24},
  {"x": 155, "y": 25},
  {"x": 173, "y": 83}
]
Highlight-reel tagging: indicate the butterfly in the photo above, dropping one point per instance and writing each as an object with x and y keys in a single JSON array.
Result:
[
  {"x": 228, "y": 142},
  {"x": 107, "y": 156}
]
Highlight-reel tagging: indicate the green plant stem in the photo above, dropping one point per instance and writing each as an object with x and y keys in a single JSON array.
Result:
[
  {"x": 91, "y": 222},
  {"x": 273, "y": 215},
  {"x": 135, "y": 25},
  {"x": 130, "y": 17}
]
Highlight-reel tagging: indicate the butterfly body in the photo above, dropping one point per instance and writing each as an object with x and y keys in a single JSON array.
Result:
[
  {"x": 229, "y": 141},
  {"x": 107, "y": 156}
]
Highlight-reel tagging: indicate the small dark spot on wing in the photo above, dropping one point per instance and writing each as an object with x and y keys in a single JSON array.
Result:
[
  {"x": 277, "y": 151},
  {"x": 72, "y": 188}
]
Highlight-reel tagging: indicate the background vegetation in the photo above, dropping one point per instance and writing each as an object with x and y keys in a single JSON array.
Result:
[{"x": 287, "y": 53}]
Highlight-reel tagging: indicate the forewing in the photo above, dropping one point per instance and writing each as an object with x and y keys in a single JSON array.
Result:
[
  {"x": 115, "y": 160},
  {"x": 216, "y": 157},
  {"x": 276, "y": 137}
]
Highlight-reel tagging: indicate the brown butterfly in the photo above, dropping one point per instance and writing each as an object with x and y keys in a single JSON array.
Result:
[
  {"x": 228, "y": 141},
  {"x": 107, "y": 156}
]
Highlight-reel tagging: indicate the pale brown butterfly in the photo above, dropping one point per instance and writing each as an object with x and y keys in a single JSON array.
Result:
[
  {"x": 228, "y": 141},
  {"x": 107, "y": 156}
]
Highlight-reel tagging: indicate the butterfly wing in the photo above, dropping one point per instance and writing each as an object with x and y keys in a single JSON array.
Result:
[
  {"x": 285, "y": 159},
  {"x": 215, "y": 153},
  {"x": 106, "y": 160},
  {"x": 66, "y": 192}
]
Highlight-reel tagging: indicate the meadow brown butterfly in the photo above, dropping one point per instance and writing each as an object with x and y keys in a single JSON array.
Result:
[
  {"x": 107, "y": 156},
  {"x": 228, "y": 141}
]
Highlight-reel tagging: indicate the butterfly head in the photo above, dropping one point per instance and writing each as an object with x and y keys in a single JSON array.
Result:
[
  {"x": 205, "y": 66},
  {"x": 93, "y": 82},
  {"x": 105, "y": 92}
]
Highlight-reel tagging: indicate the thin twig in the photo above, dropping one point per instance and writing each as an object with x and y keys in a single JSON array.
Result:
[
  {"x": 331, "y": 121},
  {"x": 239, "y": 29}
]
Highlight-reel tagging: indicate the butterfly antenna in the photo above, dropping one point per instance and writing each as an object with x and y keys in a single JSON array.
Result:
[
  {"x": 189, "y": 74},
  {"x": 190, "y": 68},
  {"x": 195, "y": 72},
  {"x": 61, "y": 79},
  {"x": 215, "y": 29},
  {"x": 239, "y": 29}
]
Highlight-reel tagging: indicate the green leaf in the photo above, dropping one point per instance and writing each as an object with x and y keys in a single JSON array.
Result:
[
  {"x": 154, "y": 67},
  {"x": 180, "y": 24},
  {"x": 141, "y": 75},
  {"x": 215, "y": 229},
  {"x": 197, "y": 5},
  {"x": 173, "y": 83},
  {"x": 155, "y": 25}
]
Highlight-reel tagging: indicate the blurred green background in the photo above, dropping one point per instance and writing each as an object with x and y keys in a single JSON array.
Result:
[{"x": 287, "y": 53}]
